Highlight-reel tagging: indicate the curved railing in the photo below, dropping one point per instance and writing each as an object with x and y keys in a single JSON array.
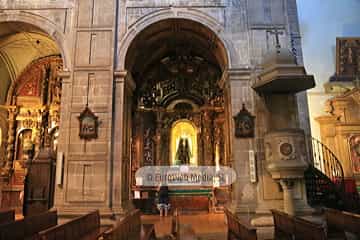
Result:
[
  {"x": 324, "y": 178},
  {"x": 326, "y": 162}
]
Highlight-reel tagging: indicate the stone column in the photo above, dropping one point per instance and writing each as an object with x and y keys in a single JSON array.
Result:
[
  {"x": 120, "y": 199},
  {"x": 288, "y": 190},
  {"x": 243, "y": 191},
  {"x": 118, "y": 119},
  {"x": 64, "y": 134}
]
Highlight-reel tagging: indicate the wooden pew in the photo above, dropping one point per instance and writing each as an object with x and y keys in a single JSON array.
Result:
[
  {"x": 238, "y": 229},
  {"x": 289, "y": 227},
  {"x": 284, "y": 225},
  {"x": 339, "y": 221},
  {"x": 306, "y": 230},
  {"x": 86, "y": 227},
  {"x": 7, "y": 216},
  {"x": 28, "y": 227},
  {"x": 130, "y": 227}
]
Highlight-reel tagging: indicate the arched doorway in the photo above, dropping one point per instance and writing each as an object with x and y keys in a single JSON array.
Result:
[
  {"x": 30, "y": 61},
  {"x": 175, "y": 75}
]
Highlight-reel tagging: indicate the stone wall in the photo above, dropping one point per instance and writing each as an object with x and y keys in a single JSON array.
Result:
[{"x": 94, "y": 35}]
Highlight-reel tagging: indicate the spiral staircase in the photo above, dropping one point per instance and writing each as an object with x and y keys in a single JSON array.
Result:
[{"x": 325, "y": 182}]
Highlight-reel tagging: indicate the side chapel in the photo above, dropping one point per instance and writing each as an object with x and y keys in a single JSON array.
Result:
[{"x": 93, "y": 90}]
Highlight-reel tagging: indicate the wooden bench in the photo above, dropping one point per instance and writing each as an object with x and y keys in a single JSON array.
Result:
[
  {"x": 339, "y": 221},
  {"x": 238, "y": 229},
  {"x": 284, "y": 225},
  {"x": 289, "y": 227},
  {"x": 306, "y": 230},
  {"x": 28, "y": 227},
  {"x": 7, "y": 216},
  {"x": 86, "y": 227},
  {"x": 130, "y": 227}
]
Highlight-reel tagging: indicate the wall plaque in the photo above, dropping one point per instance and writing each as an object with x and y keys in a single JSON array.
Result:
[
  {"x": 244, "y": 124},
  {"x": 88, "y": 124}
]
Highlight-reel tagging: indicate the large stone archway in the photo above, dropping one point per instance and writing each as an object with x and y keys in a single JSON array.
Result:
[
  {"x": 177, "y": 13},
  {"x": 205, "y": 31},
  {"x": 46, "y": 26}
]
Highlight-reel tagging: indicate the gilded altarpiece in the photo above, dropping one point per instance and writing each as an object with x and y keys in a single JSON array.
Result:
[
  {"x": 33, "y": 105},
  {"x": 178, "y": 115},
  {"x": 340, "y": 127}
]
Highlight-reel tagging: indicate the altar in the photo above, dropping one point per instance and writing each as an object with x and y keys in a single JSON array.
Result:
[
  {"x": 182, "y": 198},
  {"x": 191, "y": 199}
]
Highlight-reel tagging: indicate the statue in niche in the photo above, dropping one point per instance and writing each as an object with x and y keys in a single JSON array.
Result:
[
  {"x": 355, "y": 152},
  {"x": 183, "y": 153}
]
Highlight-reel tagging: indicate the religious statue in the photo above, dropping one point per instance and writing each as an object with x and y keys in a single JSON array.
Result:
[
  {"x": 355, "y": 152},
  {"x": 183, "y": 153}
]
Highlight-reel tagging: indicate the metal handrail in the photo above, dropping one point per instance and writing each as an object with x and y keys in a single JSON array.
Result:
[{"x": 327, "y": 162}]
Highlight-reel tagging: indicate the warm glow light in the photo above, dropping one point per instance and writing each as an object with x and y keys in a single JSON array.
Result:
[
  {"x": 184, "y": 129},
  {"x": 217, "y": 157}
]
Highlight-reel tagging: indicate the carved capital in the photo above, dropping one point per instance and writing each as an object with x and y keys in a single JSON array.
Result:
[{"x": 287, "y": 184}]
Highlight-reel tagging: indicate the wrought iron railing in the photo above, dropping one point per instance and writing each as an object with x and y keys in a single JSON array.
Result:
[
  {"x": 326, "y": 162},
  {"x": 324, "y": 178}
]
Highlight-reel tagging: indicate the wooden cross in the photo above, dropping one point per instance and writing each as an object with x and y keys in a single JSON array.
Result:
[{"x": 275, "y": 31}]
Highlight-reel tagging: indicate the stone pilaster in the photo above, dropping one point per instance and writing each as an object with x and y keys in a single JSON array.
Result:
[
  {"x": 120, "y": 188},
  {"x": 243, "y": 191}
]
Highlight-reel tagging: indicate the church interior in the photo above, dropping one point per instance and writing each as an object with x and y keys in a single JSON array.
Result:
[{"x": 98, "y": 99}]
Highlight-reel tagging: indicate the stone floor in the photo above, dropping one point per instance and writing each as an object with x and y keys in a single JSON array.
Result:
[{"x": 207, "y": 226}]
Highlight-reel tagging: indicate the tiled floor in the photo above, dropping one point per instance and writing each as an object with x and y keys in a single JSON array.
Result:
[{"x": 206, "y": 226}]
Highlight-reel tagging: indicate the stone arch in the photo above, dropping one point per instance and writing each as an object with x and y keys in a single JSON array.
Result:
[
  {"x": 174, "y": 13},
  {"x": 45, "y": 25}
]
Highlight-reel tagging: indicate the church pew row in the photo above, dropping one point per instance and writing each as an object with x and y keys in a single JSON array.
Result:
[
  {"x": 7, "y": 216},
  {"x": 289, "y": 227},
  {"x": 86, "y": 227},
  {"x": 238, "y": 229},
  {"x": 130, "y": 228},
  {"x": 340, "y": 221},
  {"x": 284, "y": 225},
  {"x": 28, "y": 227}
]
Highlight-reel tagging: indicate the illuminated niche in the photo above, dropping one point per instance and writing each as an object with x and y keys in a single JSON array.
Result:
[{"x": 184, "y": 143}]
